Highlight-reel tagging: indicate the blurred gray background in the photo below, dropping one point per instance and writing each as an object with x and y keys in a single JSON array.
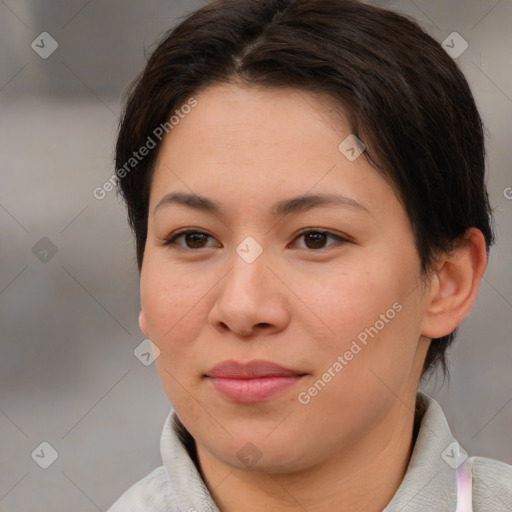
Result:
[{"x": 68, "y": 279}]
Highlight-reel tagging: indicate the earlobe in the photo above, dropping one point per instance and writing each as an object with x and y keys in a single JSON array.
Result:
[
  {"x": 457, "y": 280},
  {"x": 143, "y": 324}
]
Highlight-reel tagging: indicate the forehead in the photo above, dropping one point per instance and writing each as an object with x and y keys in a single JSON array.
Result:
[
  {"x": 240, "y": 124},
  {"x": 260, "y": 143}
]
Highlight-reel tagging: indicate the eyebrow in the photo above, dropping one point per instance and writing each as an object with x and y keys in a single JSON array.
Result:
[{"x": 284, "y": 207}]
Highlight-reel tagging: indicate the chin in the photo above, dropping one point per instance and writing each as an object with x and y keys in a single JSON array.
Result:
[{"x": 265, "y": 455}]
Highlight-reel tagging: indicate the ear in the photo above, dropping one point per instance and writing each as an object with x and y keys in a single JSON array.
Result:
[
  {"x": 454, "y": 285},
  {"x": 143, "y": 324}
]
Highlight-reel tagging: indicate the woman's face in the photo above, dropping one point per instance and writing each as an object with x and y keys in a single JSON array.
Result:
[{"x": 327, "y": 287}]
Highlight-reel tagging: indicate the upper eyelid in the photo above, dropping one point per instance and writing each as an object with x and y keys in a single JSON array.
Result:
[{"x": 319, "y": 230}]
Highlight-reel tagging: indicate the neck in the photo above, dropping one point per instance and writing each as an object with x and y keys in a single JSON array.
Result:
[{"x": 362, "y": 478}]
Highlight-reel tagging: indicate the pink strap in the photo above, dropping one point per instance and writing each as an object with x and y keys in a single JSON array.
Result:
[{"x": 464, "y": 484}]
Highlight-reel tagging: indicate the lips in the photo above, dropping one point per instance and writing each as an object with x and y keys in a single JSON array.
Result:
[
  {"x": 250, "y": 370},
  {"x": 251, "y": 382}
]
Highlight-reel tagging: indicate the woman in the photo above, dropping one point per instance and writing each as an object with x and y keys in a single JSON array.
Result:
[{"x": 305, "y": 180}]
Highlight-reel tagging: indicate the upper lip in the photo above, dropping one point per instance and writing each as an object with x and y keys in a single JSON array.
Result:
[{"x": 251, "y": 370}]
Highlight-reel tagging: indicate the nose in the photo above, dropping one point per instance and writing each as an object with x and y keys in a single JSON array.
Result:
[{"x": 250, "y": 299}]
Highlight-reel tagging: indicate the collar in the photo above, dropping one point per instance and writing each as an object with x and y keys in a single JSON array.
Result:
[{"x": 430, "y": 482}]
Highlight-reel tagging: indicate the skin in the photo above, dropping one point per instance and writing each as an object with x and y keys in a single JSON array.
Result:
[{"x": 300, "y": 307}]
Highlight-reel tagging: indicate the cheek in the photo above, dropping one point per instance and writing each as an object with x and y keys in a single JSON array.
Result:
[
  {"x": 370, "y": 311},
  {"x": 344, "y": 303},
  {"x": 176, "y": 310},
  {"x": 175, "y": 306}
]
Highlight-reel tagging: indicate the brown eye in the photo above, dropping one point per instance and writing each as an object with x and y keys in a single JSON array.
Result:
[
  {"x": 195, "y": 240},
  {"x": 315, "y": 239},
  {"x": 192, "y": 240}
]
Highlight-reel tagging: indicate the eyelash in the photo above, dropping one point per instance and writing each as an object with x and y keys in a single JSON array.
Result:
[{"x": 171, "y": 240}]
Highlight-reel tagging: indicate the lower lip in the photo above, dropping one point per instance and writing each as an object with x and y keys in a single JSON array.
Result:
[{"x": 252, "y": 390}]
